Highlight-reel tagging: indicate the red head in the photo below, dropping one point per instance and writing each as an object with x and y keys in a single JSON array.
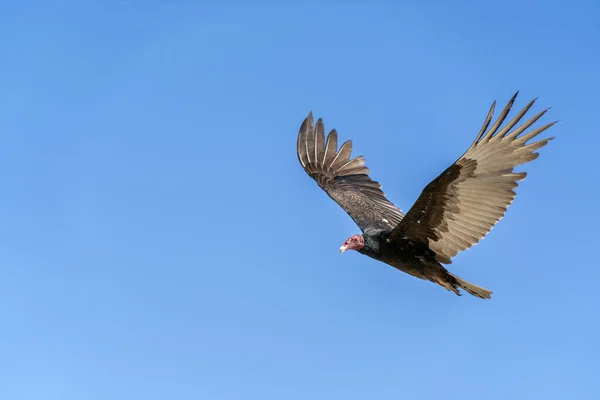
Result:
[{"x": 355, "y": 242}]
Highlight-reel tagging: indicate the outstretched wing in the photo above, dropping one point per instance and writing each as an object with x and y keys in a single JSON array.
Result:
[
  {"x": 459, "y": 207},
  {"x": 344, "y": 179}
]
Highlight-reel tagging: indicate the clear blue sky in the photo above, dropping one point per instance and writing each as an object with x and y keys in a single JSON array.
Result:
[{"x": 160, "y": 240}]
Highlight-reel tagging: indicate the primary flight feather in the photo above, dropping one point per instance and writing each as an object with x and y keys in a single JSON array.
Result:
[{"x": 454, "y": 211}]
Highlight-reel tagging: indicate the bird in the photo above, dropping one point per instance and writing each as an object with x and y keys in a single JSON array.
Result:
[{"x": 453, "y": 212}]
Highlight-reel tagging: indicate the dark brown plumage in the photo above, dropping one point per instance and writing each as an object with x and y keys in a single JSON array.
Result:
[
  {"x": 454, "y": 211},
  {"x": 344, "y": 179}
]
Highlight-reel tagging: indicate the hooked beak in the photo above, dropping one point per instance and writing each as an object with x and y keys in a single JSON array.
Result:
[{"x": 343, "y": 248}]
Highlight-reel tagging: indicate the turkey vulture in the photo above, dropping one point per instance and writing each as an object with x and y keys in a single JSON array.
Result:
[{"x": 454, "y": 211}]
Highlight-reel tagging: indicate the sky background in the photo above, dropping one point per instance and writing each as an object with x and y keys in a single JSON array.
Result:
[{"x": 160, "y": 240}]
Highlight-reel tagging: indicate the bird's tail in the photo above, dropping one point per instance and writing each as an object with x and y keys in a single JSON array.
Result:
[{"x": 475, "y": 290}]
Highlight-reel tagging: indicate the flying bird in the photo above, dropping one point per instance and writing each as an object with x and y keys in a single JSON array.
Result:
[{"x": 454, "y": 211}]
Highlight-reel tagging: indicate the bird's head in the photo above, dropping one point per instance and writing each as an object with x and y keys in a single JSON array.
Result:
[{"x": 355, "y": 242}]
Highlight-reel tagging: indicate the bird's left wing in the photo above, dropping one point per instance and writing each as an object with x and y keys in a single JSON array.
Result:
[
  {"x": 459, "y": 207},
  {"x": 346, "y": 180}
]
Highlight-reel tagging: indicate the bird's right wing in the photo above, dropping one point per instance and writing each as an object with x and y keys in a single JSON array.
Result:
[
  {"x": 344, "y": 179},
  {"x": 459, "y": 207}
]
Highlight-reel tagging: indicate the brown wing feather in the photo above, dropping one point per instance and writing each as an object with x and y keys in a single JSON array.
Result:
[
  {"x": 346, "y": 180},
  {"x": 459, "y": 207}
]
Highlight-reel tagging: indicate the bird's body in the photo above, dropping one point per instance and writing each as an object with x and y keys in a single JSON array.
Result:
[
  {"x": 454, "y": 211},
  {"x": 414, "y": 258}
]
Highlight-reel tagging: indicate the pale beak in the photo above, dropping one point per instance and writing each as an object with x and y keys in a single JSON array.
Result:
[{"x": 343, "y": 249}]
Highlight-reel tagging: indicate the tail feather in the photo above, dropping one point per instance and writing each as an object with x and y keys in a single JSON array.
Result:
[{"x": 475, "y": 290}]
